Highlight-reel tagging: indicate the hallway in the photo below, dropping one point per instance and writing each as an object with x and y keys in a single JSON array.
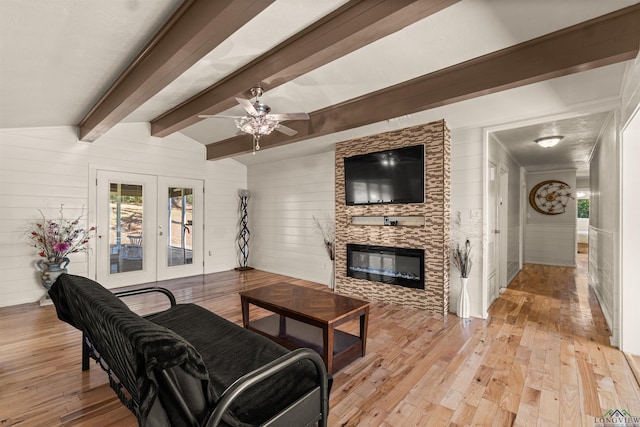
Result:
[
  {"x": 564, "y": 339},
  {"x": 557, "y": 299}
]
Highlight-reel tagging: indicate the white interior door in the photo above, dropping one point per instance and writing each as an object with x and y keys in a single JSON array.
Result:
[
  {"x": 492, "y": 241},
  {"x": 149, "y": 228},
  {"x": 503, "y": 227}
]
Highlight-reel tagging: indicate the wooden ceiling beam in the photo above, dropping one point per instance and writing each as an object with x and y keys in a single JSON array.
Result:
[
  {"x": 196, "y": 28},
  {"x": 350, "y": 27},
  {"x": 602, "y": 41}
]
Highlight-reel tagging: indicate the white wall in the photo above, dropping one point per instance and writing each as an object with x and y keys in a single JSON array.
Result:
[
  {"x": 551, "y": 239},
  {"x": 223, "y": 179},
  {"x": 629, "y": 315},
  {"x": 285, "y": 196},
  {"x": 41, "y": 168},
  {"x": 604, "y": 223},
  {"x": 466, "y": 212}
]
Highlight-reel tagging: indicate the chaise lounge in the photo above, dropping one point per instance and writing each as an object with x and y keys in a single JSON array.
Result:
[{"x": 186, "y": 366}]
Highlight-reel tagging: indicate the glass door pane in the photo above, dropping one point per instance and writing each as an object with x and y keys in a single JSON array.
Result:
[
  {"x": 125, "y": 228},
  {"x": 180, "y": 229},
  {"x": 180, "y": 226}
]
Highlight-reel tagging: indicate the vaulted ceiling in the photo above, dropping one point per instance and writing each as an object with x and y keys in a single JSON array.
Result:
[{"x": 357, "y": 67}]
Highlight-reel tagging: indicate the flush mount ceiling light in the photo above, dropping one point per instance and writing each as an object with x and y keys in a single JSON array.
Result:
[{"x": 548, "y": 141}]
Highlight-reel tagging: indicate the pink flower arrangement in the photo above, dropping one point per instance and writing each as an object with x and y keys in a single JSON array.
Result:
[{"x": 56, "y": 238}]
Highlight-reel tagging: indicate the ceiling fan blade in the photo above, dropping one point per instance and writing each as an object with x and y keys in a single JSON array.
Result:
[
  {"x": 248, "y": 106},
  {"x": 288, "y": 116},
  {"x": 286, "y": 130},
  {"x": 217, "y": 116}
]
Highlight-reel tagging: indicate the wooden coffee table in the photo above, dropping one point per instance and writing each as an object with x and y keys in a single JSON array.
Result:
[{"x": 306, "y": 317}]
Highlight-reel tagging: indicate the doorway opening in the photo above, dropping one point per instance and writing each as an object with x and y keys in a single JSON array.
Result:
[{"x": 582, "y": 222}]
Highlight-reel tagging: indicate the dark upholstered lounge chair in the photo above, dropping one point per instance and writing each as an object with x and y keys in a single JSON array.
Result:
[{"x": 186, "y": 366}]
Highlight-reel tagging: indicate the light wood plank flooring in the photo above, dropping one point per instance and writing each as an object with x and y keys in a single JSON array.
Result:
[{"x": 541, "y": 359}]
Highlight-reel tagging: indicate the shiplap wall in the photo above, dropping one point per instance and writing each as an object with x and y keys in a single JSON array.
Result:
[
  {"x": 42, "y": 168},
  {"x": 222, "y": 206},
  {"x": 629, "y": 317},
  {"x": 285, "y": 196},
  {"x": 466, "y": 202},
  {"x": 551, "y": 239},
  {"x": 604, "y": 222}
]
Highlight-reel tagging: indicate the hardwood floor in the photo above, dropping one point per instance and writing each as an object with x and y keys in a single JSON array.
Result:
[{"x": 542, "y": 358}]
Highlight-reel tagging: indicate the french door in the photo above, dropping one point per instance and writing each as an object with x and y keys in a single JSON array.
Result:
[{"x": 149, "y": 228}]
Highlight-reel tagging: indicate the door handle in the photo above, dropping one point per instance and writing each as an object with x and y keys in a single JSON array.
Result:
[{"x": 496, "y": 231}]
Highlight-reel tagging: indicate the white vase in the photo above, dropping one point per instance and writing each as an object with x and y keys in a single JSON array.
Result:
[{"x": 463, "y": 299}]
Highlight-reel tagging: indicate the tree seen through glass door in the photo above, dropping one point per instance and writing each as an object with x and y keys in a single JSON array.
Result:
[{"x": 180, "y": 227}]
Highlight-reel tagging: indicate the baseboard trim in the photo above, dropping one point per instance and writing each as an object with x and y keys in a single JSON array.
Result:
[{"x": 634, "y": 364}]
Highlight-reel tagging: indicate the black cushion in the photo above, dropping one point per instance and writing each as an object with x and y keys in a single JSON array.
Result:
[
  {"x": 183, "y": 339},
  {"x": 230, "y": 351}
]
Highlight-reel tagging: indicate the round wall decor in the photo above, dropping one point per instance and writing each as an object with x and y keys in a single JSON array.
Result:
[{"x": 550, "y": 197}]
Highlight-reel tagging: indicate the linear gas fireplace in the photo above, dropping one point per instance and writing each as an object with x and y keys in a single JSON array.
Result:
[{"x": 394, "y": 266}]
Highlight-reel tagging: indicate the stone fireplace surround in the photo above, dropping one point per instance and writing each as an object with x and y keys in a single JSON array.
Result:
[{"x": 430, "y": 233}]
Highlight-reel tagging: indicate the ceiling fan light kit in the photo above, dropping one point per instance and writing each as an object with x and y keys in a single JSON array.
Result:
[
  {"x": 258, "y": 122},
  {"x": 549, "y": 141}
]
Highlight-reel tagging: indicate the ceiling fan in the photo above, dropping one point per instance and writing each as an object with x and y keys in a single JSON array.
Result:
[{"x": 258, "y": 122}]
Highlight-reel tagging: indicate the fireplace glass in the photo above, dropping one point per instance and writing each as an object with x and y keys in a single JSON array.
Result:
[{"x": 394, "y": 266}]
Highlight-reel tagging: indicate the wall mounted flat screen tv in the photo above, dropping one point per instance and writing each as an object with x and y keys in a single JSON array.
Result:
[{"x": 391, "y": 176}]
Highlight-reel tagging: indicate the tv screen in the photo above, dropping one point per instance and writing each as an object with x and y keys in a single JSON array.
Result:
[{"x": 391, "y": 176}]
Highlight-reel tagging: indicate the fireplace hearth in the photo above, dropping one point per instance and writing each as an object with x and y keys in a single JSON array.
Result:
[{"x": 390, "y": 265}]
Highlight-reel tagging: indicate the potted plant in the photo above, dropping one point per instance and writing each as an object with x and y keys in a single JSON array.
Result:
[
  {"x": 54, "y": 239},
  {"x": 461, "y": 258}
]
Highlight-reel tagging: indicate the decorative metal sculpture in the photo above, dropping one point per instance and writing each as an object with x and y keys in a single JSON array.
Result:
[
  {"x": 550, "y": 197},
  {"x": 244, "y": 234}
]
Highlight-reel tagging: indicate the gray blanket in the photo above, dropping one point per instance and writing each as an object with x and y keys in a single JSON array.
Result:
[{"x": 133, "y": 347}]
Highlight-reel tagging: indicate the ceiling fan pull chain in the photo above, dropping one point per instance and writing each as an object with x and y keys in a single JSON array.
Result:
[{"x": 256, "y": 143}]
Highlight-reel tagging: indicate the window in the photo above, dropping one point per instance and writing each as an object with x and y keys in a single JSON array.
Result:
[{"x": 583, "y": 208}]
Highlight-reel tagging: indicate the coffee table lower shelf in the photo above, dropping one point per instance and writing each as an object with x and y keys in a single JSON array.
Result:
[{"x": 293, "y": 334}]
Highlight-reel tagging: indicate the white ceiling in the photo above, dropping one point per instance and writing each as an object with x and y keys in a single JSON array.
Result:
[
  {"x": 574, "y": 150},
  {"x": 58, "y": 57}
]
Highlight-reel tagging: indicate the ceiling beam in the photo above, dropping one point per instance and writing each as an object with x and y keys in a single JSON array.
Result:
[
  {"x": 195, "y": 29},
  {"x": 602, "y": 41},
  {"x": 350, "y": 27}
]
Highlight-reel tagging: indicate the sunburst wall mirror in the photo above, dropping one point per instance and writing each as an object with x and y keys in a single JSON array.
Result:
[{"x": 550, "y": 197}]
